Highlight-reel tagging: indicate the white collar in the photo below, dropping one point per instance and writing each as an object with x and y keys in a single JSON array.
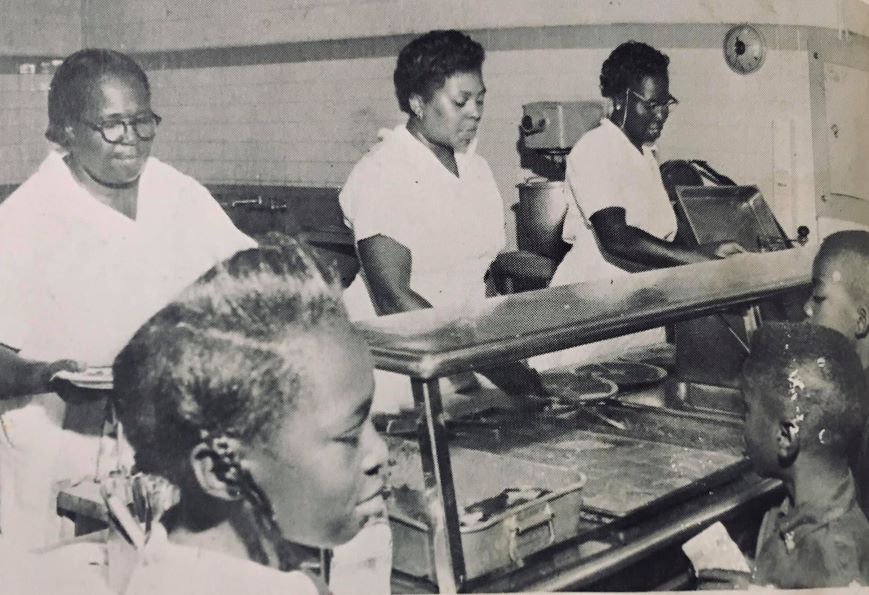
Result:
[{"x": 648, "y": 148}]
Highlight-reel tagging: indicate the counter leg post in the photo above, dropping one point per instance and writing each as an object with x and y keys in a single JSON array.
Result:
[{"x": 449, "y": 561}]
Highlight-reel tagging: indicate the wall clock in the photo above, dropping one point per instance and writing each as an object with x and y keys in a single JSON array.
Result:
[{"x": 744, "y": 49}]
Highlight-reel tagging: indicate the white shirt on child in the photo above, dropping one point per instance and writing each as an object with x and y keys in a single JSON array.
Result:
[{"x": 167, "y": 568}]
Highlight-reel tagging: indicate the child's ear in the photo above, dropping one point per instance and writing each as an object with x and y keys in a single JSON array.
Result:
[
  {"x": 787, "y": 442},
  {"x": 862, "y": 328},
  {"x": 208, "y": 474}
]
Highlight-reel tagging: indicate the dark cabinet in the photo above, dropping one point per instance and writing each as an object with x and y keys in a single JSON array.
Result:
[{"x": 311, "y": 213}]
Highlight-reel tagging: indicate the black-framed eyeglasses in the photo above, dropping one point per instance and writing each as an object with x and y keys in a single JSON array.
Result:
[
  {"x": 656, "y": 106},
  {"x": 114, "y": 130}
]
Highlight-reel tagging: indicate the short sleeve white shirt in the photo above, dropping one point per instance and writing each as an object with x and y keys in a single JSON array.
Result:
[
  {"x": 79, "y": 278},
  {"x": 453, "y": 226},
  {"x": 605, "y": 170}
]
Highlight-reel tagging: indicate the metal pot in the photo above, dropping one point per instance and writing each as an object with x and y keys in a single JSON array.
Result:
[{"x": 540, "y": 217}]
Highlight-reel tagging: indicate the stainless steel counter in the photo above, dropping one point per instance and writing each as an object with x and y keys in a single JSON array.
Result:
[
  {"x": 436, "y": 342},
  {"x": 428, "y": 344}
]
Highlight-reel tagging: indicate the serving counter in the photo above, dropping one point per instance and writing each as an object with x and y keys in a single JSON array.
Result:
[{"x": 657, "y": 467}]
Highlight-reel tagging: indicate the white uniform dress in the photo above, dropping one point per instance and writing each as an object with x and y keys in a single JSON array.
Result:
[
  {"x": 78, "y": 280},
  {"x": 605, "y": 170},
  {"x": 453, "y": 227}
]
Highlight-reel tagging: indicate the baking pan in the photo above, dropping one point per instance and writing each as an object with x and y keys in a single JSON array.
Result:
[{"x": 507, "y": 531}]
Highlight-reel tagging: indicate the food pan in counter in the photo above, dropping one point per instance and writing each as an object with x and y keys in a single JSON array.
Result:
[{"x": 508, "y": 509}]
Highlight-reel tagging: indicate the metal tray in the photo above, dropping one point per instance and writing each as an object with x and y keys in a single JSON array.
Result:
[
  {"x": 501, "y": 540},
  {"x": 731, "y": 213}
]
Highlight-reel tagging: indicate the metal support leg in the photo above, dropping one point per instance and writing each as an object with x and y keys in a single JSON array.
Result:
[{"x": 449, "y": 561}]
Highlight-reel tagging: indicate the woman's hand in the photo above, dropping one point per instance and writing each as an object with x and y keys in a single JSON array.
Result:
[
  {"x": 726, "y": 249},
  {"x": 723, "y": 249},
  {"x": 20, "y": 376},
  {"x": 70, "y": 393},
  {"x": 522, "y": 383}
]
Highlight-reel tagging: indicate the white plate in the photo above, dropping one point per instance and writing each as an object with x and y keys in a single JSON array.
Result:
[
  {"x": 93, "y": 378},
  {"x": 571, "y": 387},
  {"x": 626, "y": 375}
]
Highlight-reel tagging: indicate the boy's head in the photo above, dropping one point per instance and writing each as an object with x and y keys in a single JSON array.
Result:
[
  {"x": 840, "y": 279},
  {"x": 805, "y": 393}
]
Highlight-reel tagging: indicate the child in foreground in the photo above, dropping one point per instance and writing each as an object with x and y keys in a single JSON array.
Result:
[
  {"x": 251, "y": 394},
  {"x": 805, "y": 393}
]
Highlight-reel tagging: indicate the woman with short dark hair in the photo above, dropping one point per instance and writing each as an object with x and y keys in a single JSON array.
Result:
[
  {"x": 94, "y": 242},
  {"x": 426, "y": 212},
  {"x": 614, "y": 176},
  {"x": 619, "y": 217}
]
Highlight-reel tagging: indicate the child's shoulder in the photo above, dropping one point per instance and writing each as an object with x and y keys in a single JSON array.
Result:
[
  {"x": 827, "y": 546},
  {"x": 837, "y": 552}
]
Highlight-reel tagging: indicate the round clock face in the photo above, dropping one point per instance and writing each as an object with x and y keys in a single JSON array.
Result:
[{"x": 744, "y": 49}]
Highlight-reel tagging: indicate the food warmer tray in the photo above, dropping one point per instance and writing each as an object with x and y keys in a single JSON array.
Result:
[{"x": 495, "y": 534}]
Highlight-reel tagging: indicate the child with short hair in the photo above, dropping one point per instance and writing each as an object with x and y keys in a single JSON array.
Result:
[
  {"x": 840, "y": 288},
  {"x": 840, "y": 300},
  {"x": 805, "y": 405}
]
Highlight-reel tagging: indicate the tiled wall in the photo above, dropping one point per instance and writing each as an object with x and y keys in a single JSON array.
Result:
[
  {"x": 23, "y": 119},
  {"x": 40, "y": 27},
  {"x": 304, "y": 122},
  {"x": 308, "y": 119},
  {"x": 29, "y": 32}
]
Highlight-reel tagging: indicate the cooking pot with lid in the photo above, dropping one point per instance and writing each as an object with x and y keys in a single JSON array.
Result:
[{"x": 540, "y": 217}]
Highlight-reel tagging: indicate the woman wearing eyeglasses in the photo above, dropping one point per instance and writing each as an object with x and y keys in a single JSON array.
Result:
[
  {"x": 620, "y": 219},
  {"x": 100, "y": 237}
]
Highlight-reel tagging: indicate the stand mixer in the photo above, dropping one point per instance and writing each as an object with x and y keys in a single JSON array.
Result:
[{"x": 549, "y": 129}]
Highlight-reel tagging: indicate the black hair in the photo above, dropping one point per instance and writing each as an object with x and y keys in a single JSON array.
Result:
[
  {"x": 852, "y": 247},
  {"x": 628, "y": 64},
  {"x": 222, "y": 358},
  {"x": 810, "y": 374},
  {"x": 425, "y": 63},
  {"x": 221, "y": 362},
  {"x": 70, "y": 88}
]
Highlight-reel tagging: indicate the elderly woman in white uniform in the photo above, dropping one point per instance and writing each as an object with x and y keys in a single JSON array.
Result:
[
  {"x": 425, "y": 210},
  {"x": 92, "y": 244},
  {"x": 620, "y": 219}
]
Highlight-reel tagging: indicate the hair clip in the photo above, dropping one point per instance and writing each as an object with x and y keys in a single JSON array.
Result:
[{"x": 227, "y": 449}]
